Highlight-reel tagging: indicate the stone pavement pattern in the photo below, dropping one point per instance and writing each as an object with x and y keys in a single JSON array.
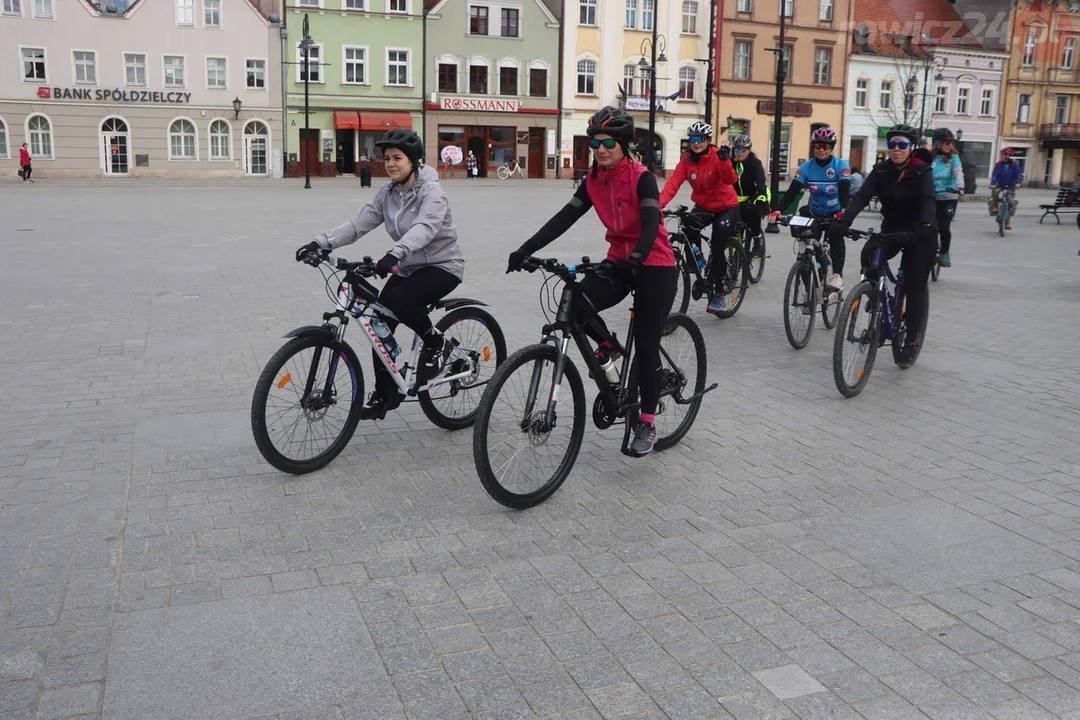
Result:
[{"x": 914, "y": 552}]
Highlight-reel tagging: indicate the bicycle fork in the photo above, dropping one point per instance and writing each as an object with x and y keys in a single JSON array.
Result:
[{"x": 544, "y": 421}]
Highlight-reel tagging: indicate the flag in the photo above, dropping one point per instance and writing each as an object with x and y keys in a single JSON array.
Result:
[
  {"x": 622, "y": 93},
  {"x": 645, "y": 94},
  {"x": 675, "y": 95}
]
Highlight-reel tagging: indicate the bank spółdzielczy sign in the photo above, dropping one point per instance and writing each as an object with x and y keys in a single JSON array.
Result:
[{"x": 113, "y": 95}]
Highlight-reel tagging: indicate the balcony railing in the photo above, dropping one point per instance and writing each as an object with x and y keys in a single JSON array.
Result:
[{"x": 1059, "y": 131}]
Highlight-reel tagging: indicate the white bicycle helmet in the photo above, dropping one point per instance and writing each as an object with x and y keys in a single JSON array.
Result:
[{"x": 699, "y": 128}]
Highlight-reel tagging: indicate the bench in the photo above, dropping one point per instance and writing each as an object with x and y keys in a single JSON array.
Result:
[
  {"x": 1067, "y": 200},
  {"x": 579, "y": 175}
]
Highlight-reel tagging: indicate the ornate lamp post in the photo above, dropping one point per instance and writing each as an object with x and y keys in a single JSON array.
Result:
[{"x": 657, "y": 43}]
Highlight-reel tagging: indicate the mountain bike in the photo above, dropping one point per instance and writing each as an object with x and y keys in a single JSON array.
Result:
[
  {"x": 317, "y": 376},
  {"x": 694, "y": 265},
  {"x": 510, "y": 168},
  {"x": 997, "y": 196},
  {"x": 878, "y": 299},
  {"x": 804, "y": 290},
  {"x": 526, "y": 440}
]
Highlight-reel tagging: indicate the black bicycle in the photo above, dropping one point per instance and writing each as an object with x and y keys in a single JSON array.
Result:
[
  {"x": 755, "y": 251},
  {"x": 307, "y": 401},
  {"x": 805, "y": 289},
  {"x": 526, "y": 440},
  {"x": 695, "y": 264}
]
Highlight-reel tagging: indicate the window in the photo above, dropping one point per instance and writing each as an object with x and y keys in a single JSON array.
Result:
[
  {"x": 13, "y": 7},
  {"x": 825, "y": 9},
  {"x": 586, "y": 77},
  {"x": 745, "y": 6},
  {"x": 630, "y": 80},
  {"x": 314, "y": 64},
  {"x": 220, "y": 140},
  {"x": 212, "y": 13},
  {"x": 963, "y": 99},
  {"x": 689, "y": 17},
  {"x": 398, "y": 6},
  {"x": 508, "y": 81},
  {"x": 631, "y": 13},
  {"x": 1029, "y": 49},
  {"x": 478, "y": 20},
  {"x": 789, "y": 8},
  {"x": 182, "y": 140},
  {"x": 134, "y": 69},
  {"x": 39, "y": 132},
  {"x": 510, "y": 22},
  {"x": 33, "y": 64},
  {"x": 743, "y": 51},
  {"x": 648, "y": 14},
  {"x": 885, "y": 100},
  {"x": 1023, "y": 108},
  {"x": 85, "y": 67},
  {"x": 308, "y": 3},
  {"x": 587, "y": 12},
  {"x": 687, "y": 83},
  {"x": 397, "y": 68},
  {"x": 216, "y": 73},
  {"x": 43, "y": 8},
  {"x": 448, "y": 77},
  {"x": 910, "y": 93},
  {"x": 1068, "y": 57},
  {"x": 1061, "y": 109},
  {"x": 355, "y": 61},
  {"x": 941, "y": 99},
  {"x": 478, "y": 79},
  {"x": 354, "y": 4},
  {"x": 185, "y": 12},
  {"x": 3, "y": 139},
  {"x": 538, "y": 82},
  {"x": 789, "y": 51},
  {"x": 256, "y": 74},
  {"x": 822, "y": 66},
  {"x": 861, "y": 86},
  {"x": 174, "y": 71},
  {"x": 986, "y": 107}
]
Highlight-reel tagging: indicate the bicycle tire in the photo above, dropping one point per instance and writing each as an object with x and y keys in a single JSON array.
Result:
[
  {"x": 734, "y": 247},
  {"x": 794, "y": 279},
  {"x": 503, "y": 172},
  {"x": 935, "y": 271},
  {"x": 684, "y": 272},
  {"x": 756, "y": 260},
  {"x": 830, "y": 301},
  {"x": 481, "y": 458},
  {"x": 863, "y": 291},
  {"x": 262, "y": 392},
  {"x": 432, "y": 412},
  {"x": 901, "y": 336}
]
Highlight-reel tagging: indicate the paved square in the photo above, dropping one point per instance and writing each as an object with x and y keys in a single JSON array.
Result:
[{"x": 913, "y": 552}]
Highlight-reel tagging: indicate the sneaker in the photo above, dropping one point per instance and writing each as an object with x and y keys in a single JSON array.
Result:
[
  {"x": 716, "y": 304},
  {"x": 644, "y": 437},
  {"x": 1008, "y": 224},
  {"x": 379, "y": 404},
  {"x": 433, "y": 356},
  {"x": 943, "y": 260},
  {"x": 835, "y": 284},
  {"x": 907, "y": 356}
]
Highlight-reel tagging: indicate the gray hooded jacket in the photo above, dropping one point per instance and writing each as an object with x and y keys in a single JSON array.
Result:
[{"x": 419, "y": 221}]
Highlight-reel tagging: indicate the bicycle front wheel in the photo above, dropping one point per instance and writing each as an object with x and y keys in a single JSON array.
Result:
[
  {"x": 685, "y": 276},
  {"x": 307, "y": 403},
  {"x": 523, "y": 454},
  {"x": 830, "y": 301},
  {"x": 902, "y": 333},
  {"x": 479, "y": 347},
  {"x": 856, "y": 342},
  {"x": 799, "y": 311},
  {"x": 737, "y": 279},
  {"x": 755, "y": 251},
  {"x": 504, "y": 172}
]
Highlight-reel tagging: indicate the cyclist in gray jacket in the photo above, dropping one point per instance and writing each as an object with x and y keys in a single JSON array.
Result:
[{"x": 416, "y": 213}]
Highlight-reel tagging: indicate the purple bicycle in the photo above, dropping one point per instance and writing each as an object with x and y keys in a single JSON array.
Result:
[{"x": 867, "y": 323}]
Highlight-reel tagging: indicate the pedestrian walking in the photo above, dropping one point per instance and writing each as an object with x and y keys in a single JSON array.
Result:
[{"x": 24, "y": 163}]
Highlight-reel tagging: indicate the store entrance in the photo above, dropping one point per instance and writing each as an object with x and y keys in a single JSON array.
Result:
[
  {"x": 477, "y": 146},
  {"x": 345, "y": 149}
]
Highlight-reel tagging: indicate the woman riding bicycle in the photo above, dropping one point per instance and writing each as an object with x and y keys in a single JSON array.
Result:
[
  {"x": 712, "y": 177},
  {"x": 948, "y": 174},
  {"x": 829, "y": 180},
  {"x": 1007, "y": 175},
  {"x": 905, "y": 186},
  {"x": 751, "y": 189},
  {"x": 426, "y": 252},
  {"x": 627, "y": 202}
]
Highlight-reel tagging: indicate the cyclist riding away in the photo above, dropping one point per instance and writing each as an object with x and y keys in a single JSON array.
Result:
[
  {"x": 627, "y": 202},
  {"x": 948, "y": 175},
  {"x": 1007, "y": 175},
  {"x": 751, "y": 189},
  {"x": 426, "y": 252},
  {"x": 828, "y": 178},
  {"x": 905, "y": 186},
  {"x": 712, "y": 177}
]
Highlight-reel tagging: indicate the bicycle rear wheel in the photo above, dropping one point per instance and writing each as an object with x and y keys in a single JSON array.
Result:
[
  {"x": 504, "y": 172},
  {"x": 856, "y": 342},
  {"x": 799, "y": 310},
  {"x": 512, "y": 433},
  {"x": 737, "y": 279}
]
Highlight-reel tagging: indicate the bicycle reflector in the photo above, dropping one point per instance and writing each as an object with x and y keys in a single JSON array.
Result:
[
  {"x": 487, "y": 353},
  {"x": 284, "y": 380}
]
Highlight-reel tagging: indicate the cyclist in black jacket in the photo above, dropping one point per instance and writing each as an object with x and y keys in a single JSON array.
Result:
[
  {"x": 751, "y": 189},
  {"x": 905, "y": 186}
]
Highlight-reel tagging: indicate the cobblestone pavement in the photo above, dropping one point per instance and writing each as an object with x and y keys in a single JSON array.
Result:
[{"x": 912, "y": 552}]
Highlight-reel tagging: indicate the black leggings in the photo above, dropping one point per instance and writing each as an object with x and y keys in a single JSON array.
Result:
[
  {"x": 945, "y": 211},
  {"x": 752, "y": 215},
  {"x": 919, "y": 256},
  {"x": 837, "y": 248},
  {"x": 408, "y": 298},
  {"x": 723, "y": 229},
  {"x": 654, "y": 294},
  {"x": 27, "y": 169}
]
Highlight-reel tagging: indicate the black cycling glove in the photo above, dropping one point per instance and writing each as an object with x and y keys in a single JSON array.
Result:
[{"x": 312, "y": 248}]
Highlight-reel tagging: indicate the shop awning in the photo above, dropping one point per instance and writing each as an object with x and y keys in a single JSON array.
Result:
[
  {"x": 346, "y": 120},
  {"x": 385, "y": 120}
]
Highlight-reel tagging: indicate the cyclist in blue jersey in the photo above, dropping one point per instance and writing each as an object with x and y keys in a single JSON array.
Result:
[
  {"x": 828, "y": 178},
  {"x": 949, "y": 185}
]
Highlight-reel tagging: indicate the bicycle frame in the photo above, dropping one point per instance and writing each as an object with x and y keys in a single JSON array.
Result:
[{"x": 884, "y": 311}]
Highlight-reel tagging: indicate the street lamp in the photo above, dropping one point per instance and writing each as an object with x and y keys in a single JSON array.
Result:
[
  {"x": 939, "y": 64},
  {"x": 657, "y": 43},
  {"x": 778, "y": 113},
  {"x": 237, "y": 105},
  {"x": 709, "y": 62},
  {"x": 305, "y": 52}
]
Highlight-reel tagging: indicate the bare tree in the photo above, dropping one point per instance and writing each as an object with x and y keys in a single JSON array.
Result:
[{"x": 913, "y": 101}]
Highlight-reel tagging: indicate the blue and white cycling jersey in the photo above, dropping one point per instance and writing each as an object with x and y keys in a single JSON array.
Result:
[{"x": 823, "y": 182}]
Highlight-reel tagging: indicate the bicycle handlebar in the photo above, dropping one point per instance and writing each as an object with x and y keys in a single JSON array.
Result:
[
  {"x": 866, "y": 234},
  {"x": 364, "y": 268},
  {"x": 553, "y": 265}
]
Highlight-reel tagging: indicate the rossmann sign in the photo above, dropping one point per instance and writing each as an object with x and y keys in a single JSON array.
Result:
[{"x": 115, "y": 95}]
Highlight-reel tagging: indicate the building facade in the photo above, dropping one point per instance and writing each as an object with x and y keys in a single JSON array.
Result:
[
  {"x": 141, "y": 88},
  {"x": 492, "y": 84},
  {"x": 364, "y": 78},
  {"x": 1041, "y": 108},
  {"x": 607, "y": 51},
  {"x": 815, "y": 60}
]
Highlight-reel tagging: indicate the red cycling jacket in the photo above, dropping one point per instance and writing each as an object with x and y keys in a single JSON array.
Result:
[
  {"x": 712, "y": 179},
  {"x": 614, "y": 195}
]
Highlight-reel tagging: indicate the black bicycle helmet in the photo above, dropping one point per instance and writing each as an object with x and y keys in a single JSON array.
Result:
[
  {"x": 742, "y": 142},
  {"x": 904, "y": 130},
  {"x": 943, "y": 135},
  {"x": 407, "y": 141},
  {"x": 612, "y": 121}
]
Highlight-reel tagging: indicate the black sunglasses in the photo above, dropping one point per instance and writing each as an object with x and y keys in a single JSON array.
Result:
[{"x": 608, "y": 143}]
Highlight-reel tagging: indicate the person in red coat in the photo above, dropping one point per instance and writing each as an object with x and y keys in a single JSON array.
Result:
[
  {"x": 712, "y": 177},
  {"x": 24, "y": 162}
]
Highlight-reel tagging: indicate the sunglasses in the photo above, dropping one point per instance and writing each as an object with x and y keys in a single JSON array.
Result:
[
  {"x": 822, "y": 146},
  {"x": 608, "y": 143},
  {"x": 899, "y": 144},
  {"x": 696, "y": 139}
]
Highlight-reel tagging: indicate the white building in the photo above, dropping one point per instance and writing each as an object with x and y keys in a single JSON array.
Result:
[{"x": 178, "y": 88}]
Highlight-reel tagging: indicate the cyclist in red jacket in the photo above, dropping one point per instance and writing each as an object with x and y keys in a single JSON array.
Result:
[{"x": 712, "y": 177}]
